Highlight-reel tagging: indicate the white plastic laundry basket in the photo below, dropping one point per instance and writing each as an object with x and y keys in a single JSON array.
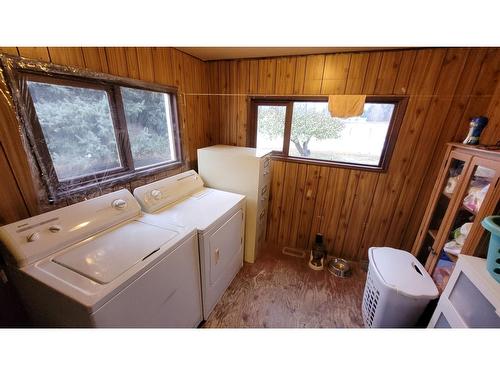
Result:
[{"x": 397, "y": 289}]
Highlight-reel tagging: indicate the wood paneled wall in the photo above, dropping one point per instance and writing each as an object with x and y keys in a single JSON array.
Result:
[
  {"x": 358, "y": 209},
  {"x": 354, "y": 209},
  {"x": 160, "y": 65}
]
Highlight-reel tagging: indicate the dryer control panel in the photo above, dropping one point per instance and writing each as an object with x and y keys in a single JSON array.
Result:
[{"x": 161, "y": 193}]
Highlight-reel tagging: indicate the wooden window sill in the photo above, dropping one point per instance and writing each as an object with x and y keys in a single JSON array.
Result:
[{"x": 328, "y": 163}]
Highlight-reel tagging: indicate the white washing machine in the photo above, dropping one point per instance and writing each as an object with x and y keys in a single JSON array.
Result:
[
  {"x": 94, "y": 264},
  {"x": 219, "y": 216}
]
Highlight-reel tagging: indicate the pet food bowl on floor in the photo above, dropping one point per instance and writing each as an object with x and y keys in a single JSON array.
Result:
[{"x": 339, "y": 267}]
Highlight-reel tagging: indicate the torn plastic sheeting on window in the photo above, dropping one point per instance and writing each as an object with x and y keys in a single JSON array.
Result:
[{"x": 16, "y": 92}]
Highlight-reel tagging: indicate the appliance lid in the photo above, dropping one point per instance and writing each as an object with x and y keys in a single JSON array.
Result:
[
  {"x": 400, "y": 270},
  {"x": 105, "y": 257}
]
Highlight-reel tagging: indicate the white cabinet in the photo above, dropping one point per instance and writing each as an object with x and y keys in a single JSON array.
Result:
[
  {"x": 471, "y": 298},
  {"x": 246, "y": 171}
]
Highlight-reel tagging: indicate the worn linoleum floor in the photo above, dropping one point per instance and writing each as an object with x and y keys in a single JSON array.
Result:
[{"x": 281, "y": 291}]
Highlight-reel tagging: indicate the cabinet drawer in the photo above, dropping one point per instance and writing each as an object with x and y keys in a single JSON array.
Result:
[
  {"x": 266, "y": 171},
  {"x": 264, "y": 193},
  {"x": 261, "y": 227}
]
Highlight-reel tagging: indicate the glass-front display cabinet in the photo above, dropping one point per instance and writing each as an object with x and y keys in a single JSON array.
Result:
[{"x": 466, "y": 191}]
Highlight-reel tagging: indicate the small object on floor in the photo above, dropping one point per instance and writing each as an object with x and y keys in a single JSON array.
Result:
[
  {"x": 293, "y": 252},
  {"x": 318, "y": 254},
  {"x": 339, "y": 267},
  {"x": 477, "y": 124}
]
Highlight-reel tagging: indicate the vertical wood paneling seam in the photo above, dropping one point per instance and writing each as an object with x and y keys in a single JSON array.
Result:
[
  {"x": 275, "y": 77},
  {"x": 348, "y": 215},
  {"x": 399, "y": 70},
  {"x": 304, "y": 200},
  {"x": 281, "y": 222},
  {"x": 26, "y": 205},
  {"x": 48, "y": 54},
  {"x": 322, "y": 74},
  {"x": 365, "y": 220},
  {"x": 378, "y": 72},
  {"x": 470, "y": 95},
  {"x": 85, "y": 63},
  {"x": 294, "y": 72},
  {"x": 347, "y": 75}
]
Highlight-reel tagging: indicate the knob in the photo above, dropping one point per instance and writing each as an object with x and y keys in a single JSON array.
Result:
[
  {"x": 55, "y": 228},
  {"x": 156, "y": 194},
  {"x": 119, "y": 204},
  {"x": 33, "y": 237}
]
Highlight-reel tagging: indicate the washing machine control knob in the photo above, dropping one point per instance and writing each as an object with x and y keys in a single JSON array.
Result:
[
  {"x": 33, "y": 237},
  {"x": 156, "y": 194},
  {"x": 119, "y": 204},
  {"x": 55, "y": 228}
]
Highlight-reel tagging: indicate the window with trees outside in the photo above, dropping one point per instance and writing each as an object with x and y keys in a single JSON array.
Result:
[
  {"x": 303, "y": 130},
  {"x": 86, "y": 131}
]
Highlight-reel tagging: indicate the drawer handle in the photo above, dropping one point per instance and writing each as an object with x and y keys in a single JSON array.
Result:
[{"x": 217, "y": 255}]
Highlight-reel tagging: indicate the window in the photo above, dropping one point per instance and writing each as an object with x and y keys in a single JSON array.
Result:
[
  {"x": 303, "y": 130},
  {"x": 87, "y": 129},
  {"x": 77, "y": 128},
  {"x": 271, "y": 120}
]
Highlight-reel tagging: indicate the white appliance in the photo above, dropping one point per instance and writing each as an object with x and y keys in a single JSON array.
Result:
[
  {"x": 471, "y": 298},
  {"x": 397, "y": 290},
  {"x": 94, "y": 264},
  {"x": 219, "y": 216},
  {"x": 246, "y": 171}
]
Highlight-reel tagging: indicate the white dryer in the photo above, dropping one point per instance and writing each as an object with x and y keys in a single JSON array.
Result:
[
  {"x": 219, "y": 216},
  {"x": 94, "y": 264}
]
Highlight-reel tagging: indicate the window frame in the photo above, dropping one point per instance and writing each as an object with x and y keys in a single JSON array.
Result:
[
  {"x": 19, "y": 70},
  {"x": 400, "y": 103}
]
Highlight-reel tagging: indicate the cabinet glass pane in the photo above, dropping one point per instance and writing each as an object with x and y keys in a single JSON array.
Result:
[
  {"x": 454, "y": 174},
  {"x": 474, "y": 309},
  {"x": 477, "y": 188}
]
